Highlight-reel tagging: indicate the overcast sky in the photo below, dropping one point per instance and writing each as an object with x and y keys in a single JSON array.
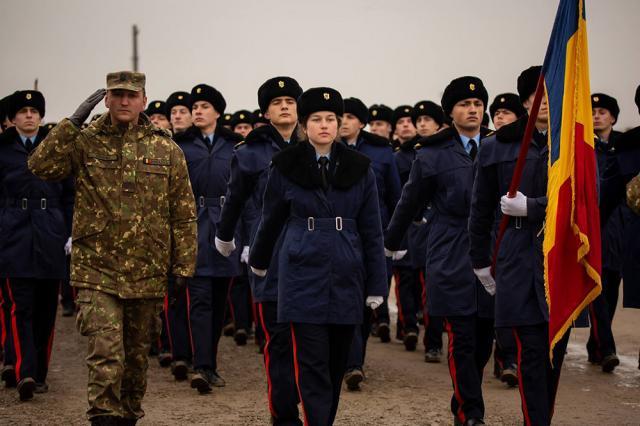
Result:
[{"x": 394, "y": 52}]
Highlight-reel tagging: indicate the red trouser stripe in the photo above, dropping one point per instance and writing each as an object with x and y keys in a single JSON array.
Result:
[
  {"x": 454, "y": 373},
  {"x": 14, "y": 327},
  {"x": 525, "y": 409},
  {"x": 396, "y": 275},
  {"x": 297, "y": 374},
  {"x": 166, "y": 321},
  {"x": 267, "y": 361}
]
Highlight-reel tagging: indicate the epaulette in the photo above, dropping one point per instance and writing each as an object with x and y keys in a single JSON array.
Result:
[
  {"x": 239, "y": 144},
  {"x": 491, "y": 133},
  {"x": 417, "y": 146}
]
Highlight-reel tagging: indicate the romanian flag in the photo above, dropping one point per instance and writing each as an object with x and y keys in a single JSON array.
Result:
[{"x": 572, "y": 261}]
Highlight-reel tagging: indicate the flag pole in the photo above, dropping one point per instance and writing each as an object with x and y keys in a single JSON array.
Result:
[{"x": 522, "y": 157}]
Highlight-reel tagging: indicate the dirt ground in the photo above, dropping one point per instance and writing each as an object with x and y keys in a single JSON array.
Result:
[{"x": 401, "y": 389}]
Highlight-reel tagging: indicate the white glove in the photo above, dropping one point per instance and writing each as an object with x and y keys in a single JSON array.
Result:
[
  {"x": 485, "y": 278},
  {"x": 67, "y": 247},
  {"x": 420, "y": 222},
  {"x": 225, "y": 247},
  {"x": 395, "y": 255},
  {"x": 516, "y": 206},
  {"x": 259, "y": 272},
  {"x": 374, "y": 301},
  {"x": 244, "y": 256}
]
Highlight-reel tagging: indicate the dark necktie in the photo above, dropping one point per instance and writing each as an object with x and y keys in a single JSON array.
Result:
[
  {"x": 324, "y": 162},
  {"x": 207, "y": 141},
  {"x": 474, "y": 148},
  {"x": 28, "y": 145}
]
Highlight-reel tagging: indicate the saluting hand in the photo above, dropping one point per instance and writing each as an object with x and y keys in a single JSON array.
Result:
[{"x": 85, "y": 108}]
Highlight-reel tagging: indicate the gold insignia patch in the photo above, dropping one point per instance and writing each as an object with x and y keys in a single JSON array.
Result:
[
  {"x": 199, "y": 89},
  {"x": 281, "y": 84},
  {"x": 157, "y": 104},
  {"x": 502, "y": 100},
  {"x": 326, "y": 96},
  {"x": 241, "y": 116},
  {"x": 596, "y": 99},
  {"x": 374, "y": 112},
  {"x": 28, "y": 96},
  {"x": 227, "y": 117},
  {"x": 472, "y": 86},
  {"x": 421, "y": 106},
  {"x": 406, "y": 110},
  {"x": 180, "y": 97}
]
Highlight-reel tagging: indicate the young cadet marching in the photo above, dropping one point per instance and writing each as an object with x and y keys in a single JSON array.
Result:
[
  {"x": 601, "y": 347},
  {"x": 158, "y": 115},
  {"x": 620, "y": 176},
  {"x": 505, "y": 109},
  {"x": 208, "y": 147},
  {"x": 178, "y": 107},
  {"x": 519, "y": 281},
  {"x": 323, "y": 197},
  {"x": 442, "y": 174},
  {"x": 242, "y": 122},
  {"x": 133, "y": 224},
  {"x": 277, "y": 98},
  {"x": 427, "y": 117},
  {"x": 35, "y": 228},
  {"x": 380, "y": 117},
  {"x": 378, "y": 150}
]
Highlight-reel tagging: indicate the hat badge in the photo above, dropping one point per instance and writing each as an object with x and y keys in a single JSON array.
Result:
[
  {"x": 472, "y": 86},
  {"x": 281, "y": 84},
  {"x": 406, "y": 110},
  {"x": 157, "y": 104},
  {"x": 227, "y": 117},
  {"x": 502, "y": 99},
  {"x": 326, "y": 96},
  {"x": 180, "y": 97},
  {"x": 199, "y": 90},
  {"x": 242, "y": 116},
  {"x": 596, "y": 99},
  {"x": 28, "y": 96},
  {"x": 374, "y": 112},
  {"x": 421, "y": 106}
]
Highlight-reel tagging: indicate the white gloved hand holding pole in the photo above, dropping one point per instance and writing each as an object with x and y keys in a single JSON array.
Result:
[
  {"x": 516, "y": 206},
  {"x": 485, "y": 278}
]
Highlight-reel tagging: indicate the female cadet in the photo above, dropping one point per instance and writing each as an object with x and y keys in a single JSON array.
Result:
[{"x": 323, "y": 197}]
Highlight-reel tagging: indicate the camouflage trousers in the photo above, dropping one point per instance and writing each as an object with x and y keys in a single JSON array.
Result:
[{"x": 117, "y": 357}]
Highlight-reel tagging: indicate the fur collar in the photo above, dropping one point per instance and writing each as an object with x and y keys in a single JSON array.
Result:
[
  {"x": 299, "y": 164},
  {"x": 269, "y": 134},
  {"x": 194, "y": 133},
  {"x": 513, "y": 132},
  {"x": 628, "y": 140},
  {"x": 375, "y": 140}
]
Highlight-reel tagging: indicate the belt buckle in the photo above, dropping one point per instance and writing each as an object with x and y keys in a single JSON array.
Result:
[
  {"x": 222, "y": 199},
  {"x": 518, "y": 222},
  {"x": 338, "y": 223},
  {"x": 25, "y": 203},
  {"x": 201, "y": 201},
  {"x": 311, "y": 224},
  {"x": 43, "y": 203}
]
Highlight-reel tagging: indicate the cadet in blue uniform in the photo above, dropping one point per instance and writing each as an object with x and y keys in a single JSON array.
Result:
[
  {"x": 380, "y": 117},
  {"x": 601, "y": 346},
  {"x": 379, "y": 151},
  {"x": 505, "y": 109},
  {"x": 35, "y": 227},
  {"x": 623, "y": 238},
  {"x": 428, "y": 118},
  {"x": 442, "y": 175},
  {"x": 207, "y": 148},
  {"x": 323, "y": 197},
  {"x": 277, "y": 98},
  {"x": 176, "y": 317},
  {"x": 519, "y": 281}
]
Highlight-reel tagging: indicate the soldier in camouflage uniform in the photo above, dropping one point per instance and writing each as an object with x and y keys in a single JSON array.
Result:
[
  {"x": 133, "y": 225},
  {"x": 633, "y": 194}
]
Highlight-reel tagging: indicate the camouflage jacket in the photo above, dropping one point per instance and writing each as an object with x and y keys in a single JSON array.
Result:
[
  {"x": 633, "y": 194},
  {"x": 134, "y": 219}
]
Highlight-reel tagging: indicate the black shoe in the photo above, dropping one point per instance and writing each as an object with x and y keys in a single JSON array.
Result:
[
  {"x": 41, "y": 388},
  {"x": 26, "y": 387},
  {"x": 353, "y": 379},
  {"x": 229, "y": 329},
  {"x": 200, "y": 381},
  {"x": 384, "y": 332},
  {"x": 510, "y": 376},
  {"x": 180, "y": 370},
  {"x": 8, "y": 375},
  {"x": 165, "y": 358},
  {"x": 216, "y": 380},
  {"x": 241, "y": 337},
  {"x": 68, "y": 310},
  {"x": 410, "y": 340},
  {"x": 433, "y": 355},
  {"x": 609, "y": 363},
  {"x": 106, "y": 421}
]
